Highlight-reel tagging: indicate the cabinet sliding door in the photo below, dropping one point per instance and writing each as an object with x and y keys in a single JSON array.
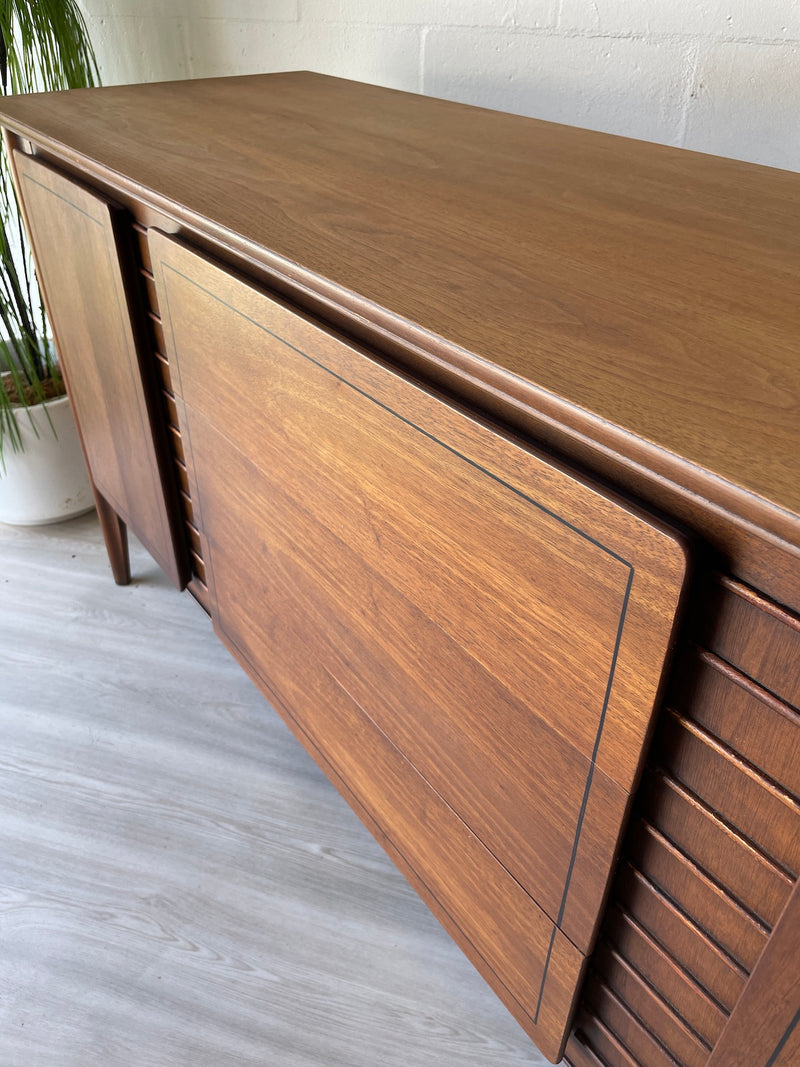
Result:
[{"x": 79, "y": 241}]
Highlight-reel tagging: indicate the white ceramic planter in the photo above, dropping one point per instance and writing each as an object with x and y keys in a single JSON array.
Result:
[{"x": 47, "y": 481}]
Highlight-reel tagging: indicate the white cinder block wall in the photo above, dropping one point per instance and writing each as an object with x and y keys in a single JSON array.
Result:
[{"x": 719, "y": 76}]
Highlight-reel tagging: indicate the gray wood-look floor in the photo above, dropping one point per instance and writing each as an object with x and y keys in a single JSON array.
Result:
[{"x": 179, "y": 883}]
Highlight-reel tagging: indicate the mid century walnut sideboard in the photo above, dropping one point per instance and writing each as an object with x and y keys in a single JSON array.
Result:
[{"x": 477, "y": 437}]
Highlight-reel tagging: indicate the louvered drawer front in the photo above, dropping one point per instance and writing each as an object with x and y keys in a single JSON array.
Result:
[
  {"x": 713, "y": 852},
  {"x": 170, "y": 403}
]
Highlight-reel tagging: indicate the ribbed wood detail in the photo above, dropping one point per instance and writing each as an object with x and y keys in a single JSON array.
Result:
[
  {"x": 720, "y": 977},
  {"x": 713, "y": 848},
  {"x": 580, "y": 1053},
  {"x": 757, "y": 637},
  {"x": 704, "y": 901},
  {"x": 697, "y": 1010},
  {"x": 615, "y": 1032},
  {"x": 198, "y": 584}
]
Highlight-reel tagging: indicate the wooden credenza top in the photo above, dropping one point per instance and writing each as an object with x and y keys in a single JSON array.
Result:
[{"x": 643, "y": 296}]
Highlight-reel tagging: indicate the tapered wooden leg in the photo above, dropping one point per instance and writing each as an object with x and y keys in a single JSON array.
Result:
[{"x": 115, "y": 535}]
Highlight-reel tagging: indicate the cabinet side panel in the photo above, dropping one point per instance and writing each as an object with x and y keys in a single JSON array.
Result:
[
  {"x": 764, "y": 1028},
  {"x": 73, "y": 234}
]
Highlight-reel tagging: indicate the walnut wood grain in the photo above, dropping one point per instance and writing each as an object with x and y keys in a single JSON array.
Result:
[
  {"x": 202, "y": 586},
  {"x": 732, "y": 860},
  {"x": 534, "y": 969},
  {"x": 581, "y": 292},
  {"x": 690, "y": 1002},
  {"x": 744, "y": 716},
  {"x": 616, "y": 1026},
  {"x": 734, "y": 790},
  {"x": 75, "y": 236},
  {"x": 763, "y": 1029},
  {"x": 713, "y": 969},
  {"x": 115, "y": 535},
  {"x": 592, "y": 1044},
  {"x": 787, "y": 1052},
  {"x": 658, "y": 1017},
  {"x": 399, "y": 543},
  {"x": 758, "y": 637},
  {"x": 709, "y": 902},
  {"x": 169, "y": 405}
]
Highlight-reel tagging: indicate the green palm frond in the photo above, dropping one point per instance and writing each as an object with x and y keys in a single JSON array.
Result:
[{"x": 44, "y": 45}]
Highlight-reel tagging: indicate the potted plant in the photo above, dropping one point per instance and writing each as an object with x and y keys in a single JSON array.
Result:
[{"x": 44, "y": 45}]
